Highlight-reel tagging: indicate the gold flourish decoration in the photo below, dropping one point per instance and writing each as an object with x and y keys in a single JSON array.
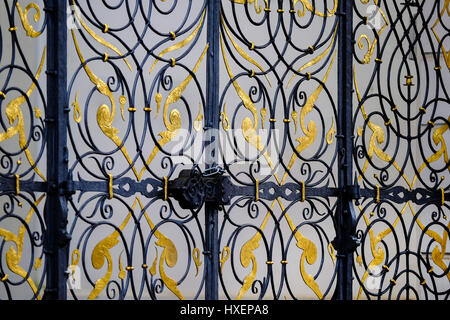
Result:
[
  {"x": 105, "y": 115},
  {"x": 180, "y": 44},
  {"x": 306, "y": 4},
  {"x": 294, "y": 116},
  {"x": 263, "y": 113},
  {"x": 198, "y": 120},
  {"x": 438, "y": 139},
  {"x": 77, "y": 110},
  {"x": 316, "y": 59},
  {"x": 14, "y": 255},
  {"x": 196, "y": 258},
  {"x": 97, "y": 38},
  {"x": 309, "y": 250},
  {"x": 331, "y": 133},
  {"x": 122, "y": 272},
  {"x": 101, "y": 253},
  {"x": 249, "y": 127},
  {"x": 172, "y": 121},
  {"x": 23, "y": 14},
  {"x": 225, "y": 119},
  {"x": 75, "y": 261},
  {"x": 37, "y": 113},
  {"x": 153, "y": 267},
  {"x": 309, "y": 130},
  {"x": 169, "y": 255},
  {"x": 224, "y": 257},
  {"x": 258, "y": 8},
  {"x": 14, "y": 113},
  {"x": 377, "y": 138},
  {"x": 371, "y": 45},
  {"x": 123, "y": 101},
  {"x": 244, "y": 54},
  {"x": 248, "y": 256}
]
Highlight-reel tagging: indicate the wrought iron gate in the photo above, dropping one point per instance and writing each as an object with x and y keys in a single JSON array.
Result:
[{"x": 234, "y": 149}]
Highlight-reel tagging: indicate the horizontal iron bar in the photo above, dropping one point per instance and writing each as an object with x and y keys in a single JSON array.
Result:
[
  {"x": 29, "y": 186},
  {"x": 401, "y": 195},
  {"x": 127, "y": 187},
  {"x": 289, "y": 191},
  {"x": 152, "y": 188}
]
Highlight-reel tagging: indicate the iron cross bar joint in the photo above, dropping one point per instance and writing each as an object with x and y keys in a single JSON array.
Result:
[{"x": 192, "y": 188}]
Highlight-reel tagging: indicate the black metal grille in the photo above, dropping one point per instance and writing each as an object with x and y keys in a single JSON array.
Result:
[{"x": 224, "y": 149}]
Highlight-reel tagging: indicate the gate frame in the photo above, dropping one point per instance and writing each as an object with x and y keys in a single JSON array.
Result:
[
  {"x": 56, "y": 239},
  {"x": 59, "y": 183}
]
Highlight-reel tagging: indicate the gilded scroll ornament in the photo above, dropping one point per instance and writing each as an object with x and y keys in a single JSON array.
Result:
[
  {"x": 247, "y": 256},
  {"x": 77, "y": 110},
  {"x": 224, "y": 257},
  {"x": 14, "y": 255},
  {"x": 197, "y": 261},
  {"x": 199, "y": 119},
  {"x": 105, "y": 115},
  {"x": 257, "y": 7},
  {"x": 180, "y": 44},
  {"x": 306, "y": 5},
  {"x": 442, "y": 152},
  {"x": 331, "y": 133},
  {"x": 23, "y": 14},
  {"x": 377, "y": 138},
  {"x": 317, "y": 59},
  {"x": 14, "y": 113},
  {"x": 294, "y": 116},
  {"x": 263, "y": 113},
  {"x": 309, "y": 130},
  {"x": 244, "y": 54},
  {"x": 309, "y": 250},
  {"x": 372, "y": 44},
  {"x": 101, "y": 253},
  {"x": 96, "y": 37},
  {"x": 249, "y": 127},
  {"x": 169, "y": 256},
  {"x": 225, "y": 119},
  {"x": 122, "y": 271},
  {"x": 172, "y": 121}
]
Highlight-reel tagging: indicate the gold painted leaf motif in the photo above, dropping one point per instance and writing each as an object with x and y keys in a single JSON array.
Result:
[
  {"x": 23, "y": 14},
  {"x": 15, "y": 252},
  {"x": 14, "y": 113}
]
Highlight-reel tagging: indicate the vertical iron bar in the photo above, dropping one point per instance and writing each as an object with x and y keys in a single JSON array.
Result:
[
  {"x": 345, "y": 242},
  {"x": 211, "y": 151},
  {"x": 55, "y": 212}
]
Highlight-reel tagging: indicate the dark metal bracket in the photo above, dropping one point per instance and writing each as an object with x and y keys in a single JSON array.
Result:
[
  {"x": 346, "y": 241},
  {"x": 192, "y": 188}
]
